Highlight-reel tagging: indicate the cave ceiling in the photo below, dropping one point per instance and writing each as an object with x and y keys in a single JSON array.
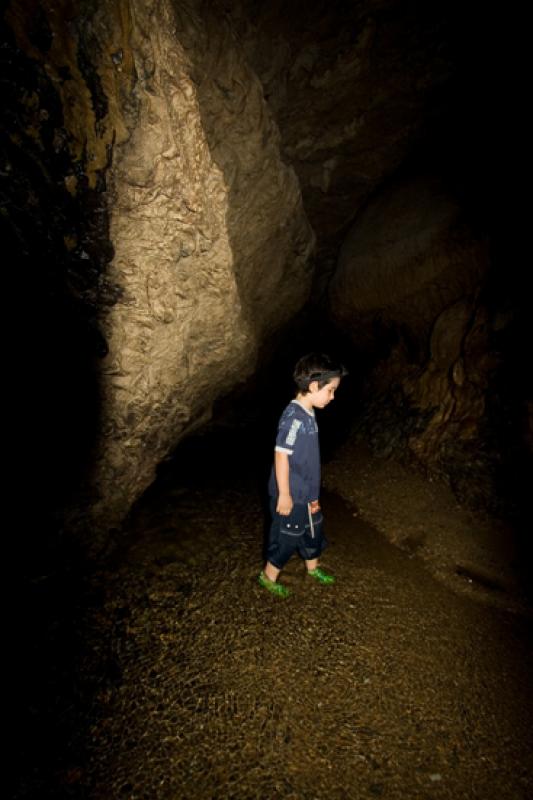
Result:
[{"x": 358, "y": 90}]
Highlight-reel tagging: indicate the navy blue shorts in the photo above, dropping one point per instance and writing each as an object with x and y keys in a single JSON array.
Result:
[{"x": 298, "y": 532}]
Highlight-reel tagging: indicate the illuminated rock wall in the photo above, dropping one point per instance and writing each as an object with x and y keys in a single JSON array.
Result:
[{"x": 210, "y": 245}]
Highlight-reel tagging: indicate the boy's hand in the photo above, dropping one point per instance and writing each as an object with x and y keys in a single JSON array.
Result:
[{"x": 285, "y": 504}]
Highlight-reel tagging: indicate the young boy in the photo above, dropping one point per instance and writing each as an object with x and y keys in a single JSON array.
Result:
[{"x": 294, "y": 485}]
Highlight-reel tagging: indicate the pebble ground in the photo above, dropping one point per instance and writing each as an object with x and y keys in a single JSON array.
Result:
[{"x": 173, "y": 675}]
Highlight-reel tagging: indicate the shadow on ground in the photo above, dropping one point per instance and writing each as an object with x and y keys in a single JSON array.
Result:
[{"x": 192, "y": 682}]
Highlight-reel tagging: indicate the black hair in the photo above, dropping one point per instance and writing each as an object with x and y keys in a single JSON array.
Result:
[{"x": 316, "y": 367}]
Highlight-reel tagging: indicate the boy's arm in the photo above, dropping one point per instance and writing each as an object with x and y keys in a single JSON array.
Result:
[{"x": 281, "y": 466}]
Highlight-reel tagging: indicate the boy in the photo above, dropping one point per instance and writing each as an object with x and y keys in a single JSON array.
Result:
[{"x": 294, "y": 485}]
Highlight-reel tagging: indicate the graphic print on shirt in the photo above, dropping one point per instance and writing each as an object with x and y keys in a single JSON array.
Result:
[
  {"x": 298, "y": 437},
  {"x": 291, "y": 436}
]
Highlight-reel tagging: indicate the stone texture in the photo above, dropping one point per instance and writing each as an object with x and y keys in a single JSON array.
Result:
[
  {"x": 453, "y": 387},
  {"x": 366, "y": 96},
  {"x": 209, "y": 239},
  {"x": 173, "y": 138},
  {"x": 171, "y": 674},
  {"x": 412, "y": 289},
  {"x": 211, "y": 242},
  {"x": 55, "y": 244},
  {"x": 354, "y": 88},
  {"x": 408, "y": 257}
]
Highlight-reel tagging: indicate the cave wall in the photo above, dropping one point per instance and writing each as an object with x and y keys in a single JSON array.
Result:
[
  {"x": 56, "y": 248},
  {"x": 387, "y": 113},
  {"x": 420, "y": 293},
  {"x": 408, "y": 291},
  {"x": 211, "y": 242},
  {"x": 181, "y": 178},
  {"x": 208, "y": 247},
  {"x": 410, "y": 254},
  {"x": 354, "y": 89}
]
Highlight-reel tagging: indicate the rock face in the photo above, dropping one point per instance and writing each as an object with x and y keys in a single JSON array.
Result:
[
  {"x": 354, "y": 88},
  {"x": 163, "y": 158},
  {"x": 414, "y": 290},
  {"x": 366, "y": 96},
  {"x": 409, "y": 256},
  {"x": 210, "y": 244}
]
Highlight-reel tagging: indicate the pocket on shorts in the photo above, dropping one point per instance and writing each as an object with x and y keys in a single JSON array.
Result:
[{"x": 295, "y": 523}]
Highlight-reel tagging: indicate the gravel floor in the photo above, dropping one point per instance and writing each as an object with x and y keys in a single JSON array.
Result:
[{"x": 171, "y": 674}]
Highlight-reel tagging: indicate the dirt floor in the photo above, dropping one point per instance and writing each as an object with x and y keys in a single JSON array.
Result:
[
  {"x": 475, "y": 554},
  {"x": 171, "y": 674}
]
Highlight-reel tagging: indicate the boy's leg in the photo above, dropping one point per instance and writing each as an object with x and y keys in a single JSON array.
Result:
[
  {"x": 280, "y": 548},
  {"x": 314, "y": 545},
  {"x": 271, "y": 572},
  {"x": 276, "y": 551}
]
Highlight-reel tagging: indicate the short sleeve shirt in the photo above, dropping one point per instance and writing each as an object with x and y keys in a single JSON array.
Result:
[{"x": 298, "y": 437}]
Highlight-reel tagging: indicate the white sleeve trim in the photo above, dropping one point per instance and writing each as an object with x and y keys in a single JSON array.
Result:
[{"x": 283, "y": 450}]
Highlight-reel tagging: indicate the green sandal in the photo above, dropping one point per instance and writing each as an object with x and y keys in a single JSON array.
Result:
[
  {"x": 271, "y": 586},
  {"x": 321, "y": 576}
]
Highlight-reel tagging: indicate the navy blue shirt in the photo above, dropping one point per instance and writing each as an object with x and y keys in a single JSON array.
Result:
[{"x": 298, "y": 437}]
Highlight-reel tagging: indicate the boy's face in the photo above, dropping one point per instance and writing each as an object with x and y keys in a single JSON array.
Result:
[{"x": 320, "y": 398}]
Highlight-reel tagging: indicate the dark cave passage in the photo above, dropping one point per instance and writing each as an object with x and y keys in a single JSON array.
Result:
[{"x": 193, "y": 195}]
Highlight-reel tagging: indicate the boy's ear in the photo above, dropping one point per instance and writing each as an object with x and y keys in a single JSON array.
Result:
[{"x": 313, "y": 386}]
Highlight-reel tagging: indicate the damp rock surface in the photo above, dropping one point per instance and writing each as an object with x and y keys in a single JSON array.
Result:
[
  {"x": 408, "y": 257},
  {"x": 148, "y": 173},
  {"x": 211, "y": 241},
  {"x": 417, "y": 293},
  {"x": 353, "y": 89},
  {"x": 193, "y": 682}
]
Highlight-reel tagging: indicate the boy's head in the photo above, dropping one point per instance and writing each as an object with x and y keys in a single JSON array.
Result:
[{"x": 317, "y": 377}]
